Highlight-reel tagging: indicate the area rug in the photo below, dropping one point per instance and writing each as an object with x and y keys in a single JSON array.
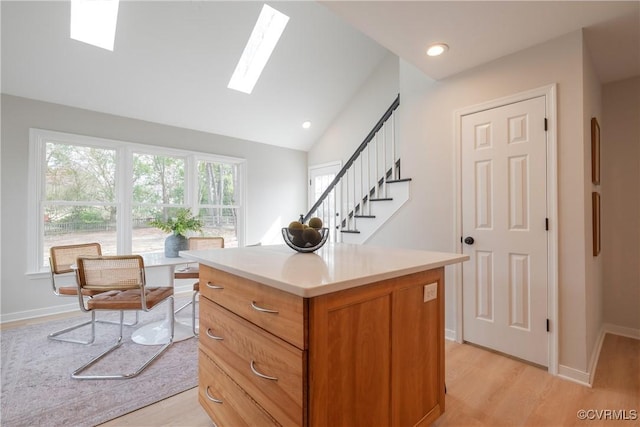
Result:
[{"x": 37, "y": 388}]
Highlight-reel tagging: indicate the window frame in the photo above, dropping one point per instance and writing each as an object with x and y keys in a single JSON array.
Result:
[{"x": 38, "y": 138}]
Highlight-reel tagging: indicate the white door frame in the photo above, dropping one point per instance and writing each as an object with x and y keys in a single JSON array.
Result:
[
  {"x": 336, "y": 164},
  {"x": 549, "y": 92}
]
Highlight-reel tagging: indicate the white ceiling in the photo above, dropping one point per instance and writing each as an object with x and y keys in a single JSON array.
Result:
[
  {"x": 480, "y": 31},
  {"x": 172, "y": 60}
]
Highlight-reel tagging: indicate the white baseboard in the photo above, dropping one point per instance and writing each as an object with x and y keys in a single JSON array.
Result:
[
  {"x": 574, "y": 375},
  {"x": 622, "y": 331},
  {"x": 450, "y": 334},
  {"x": 586, "y": 378}
]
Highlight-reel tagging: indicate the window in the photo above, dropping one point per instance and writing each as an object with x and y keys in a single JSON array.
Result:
[{"x": 86, "y": 189}]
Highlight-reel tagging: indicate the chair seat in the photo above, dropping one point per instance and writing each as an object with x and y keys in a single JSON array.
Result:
[
  {"x": 129, "y": 299},
  {"x": 73, "y": 290}
]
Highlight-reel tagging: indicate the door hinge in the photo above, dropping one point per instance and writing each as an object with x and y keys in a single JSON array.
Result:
[
  {"x": 309, "y": 183},
  {"x": 545, "y": 123},
  {"x": 548, "y": 329},
  {"x": 546, "y": 224}
]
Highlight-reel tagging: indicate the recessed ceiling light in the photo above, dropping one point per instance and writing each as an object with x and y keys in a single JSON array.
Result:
[
  {"x": 263, "y": 40},
  {"x": 437, "y": 49},
  {"x": 306, "y": 125},
  {"x": 94, "y": 22}
]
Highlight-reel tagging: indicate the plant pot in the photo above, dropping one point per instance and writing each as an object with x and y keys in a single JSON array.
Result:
[{"x": 173, "y": 244}]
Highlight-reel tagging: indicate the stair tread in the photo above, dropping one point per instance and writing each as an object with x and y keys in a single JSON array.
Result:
[
  {"x": 349, "y": 231},
  {"x": 383, "y": 199},
  {"x": 365, "y": 216},
  {"x": 391, "y": 181}
]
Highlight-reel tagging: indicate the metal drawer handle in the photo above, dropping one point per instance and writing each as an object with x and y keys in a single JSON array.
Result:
[
  {"x": 266, "y": 377},
  {"x": 263, "y": 310},
  {"x": 212, "y": 286},
  {"x": 210, "y": 335},
  {"x": 211, "y": 398}
]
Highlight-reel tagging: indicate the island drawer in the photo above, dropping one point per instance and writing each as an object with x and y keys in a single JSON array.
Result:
[
  {"x": 278, "y": 312},
  {"x": 225, "y": 402},
  {"x": 269, "y": 369}
]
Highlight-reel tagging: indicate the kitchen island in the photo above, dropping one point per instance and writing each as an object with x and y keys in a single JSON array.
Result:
[{"x": 349, "y": 335}]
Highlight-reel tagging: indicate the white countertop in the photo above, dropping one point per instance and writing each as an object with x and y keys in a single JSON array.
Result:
[{"x": 334, "y": 267}]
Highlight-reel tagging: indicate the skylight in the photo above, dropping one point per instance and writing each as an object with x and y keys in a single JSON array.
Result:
[
  {"x": 263, "y": 40},
  {"x": 94, "y": 22}
]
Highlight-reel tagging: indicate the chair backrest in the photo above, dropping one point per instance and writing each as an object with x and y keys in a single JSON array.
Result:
[
  {"x": 106, "y": 273},
  {"x": 196, "y": 243},
  {"x": 61, "y": 258}
]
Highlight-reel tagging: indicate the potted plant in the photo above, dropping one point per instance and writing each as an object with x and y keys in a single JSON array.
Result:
[{"x": 178, "y": 226}]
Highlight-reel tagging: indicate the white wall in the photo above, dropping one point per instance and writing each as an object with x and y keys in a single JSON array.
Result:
[
  {"x": 592, "y": 95},
  {"x": 620, "y": 175},
  {"x": 359, "y": 116},
  {"x": 426, "y": 145},
  {"x": 275, "y": 186}
]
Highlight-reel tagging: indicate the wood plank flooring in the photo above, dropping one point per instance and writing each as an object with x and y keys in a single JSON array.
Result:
[{"x": 486, "y": 389}]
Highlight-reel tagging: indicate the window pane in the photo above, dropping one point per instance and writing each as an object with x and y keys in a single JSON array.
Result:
[
  {"x": 145, "y": 237},
  {"x": 70, "y": 225},
  {"x": 218, "y": 183},
  {"x": 158, "y": 179},
  {"x": 221, "y": 222},
  {"x": 76, "y": 173}
]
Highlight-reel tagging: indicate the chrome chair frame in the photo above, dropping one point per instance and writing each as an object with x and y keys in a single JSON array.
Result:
[
  {"x": 66, "y": 267},
  {"x": 196, "y": 243},
  {"x": 135, "y": 284}
]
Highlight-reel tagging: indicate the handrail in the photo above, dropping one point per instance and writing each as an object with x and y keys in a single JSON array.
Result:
[{"x": 353, "y": 157}]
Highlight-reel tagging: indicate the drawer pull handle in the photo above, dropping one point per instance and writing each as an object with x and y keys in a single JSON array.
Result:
[
  {"x": 263, "y": 310},
  {"x": 214, "y": 337},
  {"x": 211, "y": 398},
  {"x": 212, "y": 286},
  {"x": 266, "y": 377}
]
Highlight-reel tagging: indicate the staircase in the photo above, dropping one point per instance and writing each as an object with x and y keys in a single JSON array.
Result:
[{"x": 368, "y": 190}]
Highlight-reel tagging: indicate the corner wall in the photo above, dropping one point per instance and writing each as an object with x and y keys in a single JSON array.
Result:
[
  {"x": 427, "y": 148},
  {"x": 620, "y": 175},
  {"x": 592, "y": 107}
]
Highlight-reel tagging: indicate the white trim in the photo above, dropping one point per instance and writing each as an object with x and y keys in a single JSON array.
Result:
[
  {"x": 574, "y": 375},
  {"x": 124, "y": 174},
  {"x": 587, "y": 378},
  {"x": 623, "y": 331},
  {"x": 337, "y": 164},
  {"x": 450, "y": 335},
  {"x": 595, "y": 355},
  {"x": 549, "y": 92}
]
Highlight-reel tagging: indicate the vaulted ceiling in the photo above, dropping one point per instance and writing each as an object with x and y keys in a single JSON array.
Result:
[{"x": 172, "y": 60}]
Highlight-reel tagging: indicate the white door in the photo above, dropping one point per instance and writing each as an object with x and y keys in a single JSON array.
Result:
[
  {"x": 504, "y": 229},
  {"x": 320, "y": 177}
]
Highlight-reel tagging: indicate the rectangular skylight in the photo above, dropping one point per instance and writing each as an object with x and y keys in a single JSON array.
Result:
[
  {"x": 263, "y": 40},
  {"x": 94, "y": 22}
]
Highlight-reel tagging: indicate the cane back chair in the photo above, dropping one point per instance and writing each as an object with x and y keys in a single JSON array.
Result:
[
  {"x": 192, "y": 272},
  {"x": 121, "y": 286},
  {"x": 62, "y": 260}
]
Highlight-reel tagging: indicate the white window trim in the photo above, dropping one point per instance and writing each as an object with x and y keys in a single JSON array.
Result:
[{"x": 124, "y": 171}]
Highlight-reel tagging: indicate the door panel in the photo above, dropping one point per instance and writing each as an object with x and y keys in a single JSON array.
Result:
[{"x": 504, "y": 210}]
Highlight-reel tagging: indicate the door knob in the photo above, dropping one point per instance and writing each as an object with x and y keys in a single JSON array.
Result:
[{"x": 469, "y": 240}]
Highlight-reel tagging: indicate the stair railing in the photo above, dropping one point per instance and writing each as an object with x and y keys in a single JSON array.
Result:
[{"x": 361, "y": 180}]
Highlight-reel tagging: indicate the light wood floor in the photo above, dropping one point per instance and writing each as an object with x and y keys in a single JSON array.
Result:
[{"x": 485, "y": 389}]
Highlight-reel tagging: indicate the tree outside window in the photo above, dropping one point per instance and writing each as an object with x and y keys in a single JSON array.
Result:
[{"x": 93, "y": 190}]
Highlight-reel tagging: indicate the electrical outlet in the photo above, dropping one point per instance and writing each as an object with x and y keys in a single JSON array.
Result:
[{"x": 430, "y": 291}]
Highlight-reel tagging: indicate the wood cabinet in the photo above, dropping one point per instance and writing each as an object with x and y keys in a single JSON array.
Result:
[{"x": 368, "y": 355}]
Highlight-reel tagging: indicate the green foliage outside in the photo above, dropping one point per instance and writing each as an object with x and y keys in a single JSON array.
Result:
[{"x": 180, "y": 224}]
